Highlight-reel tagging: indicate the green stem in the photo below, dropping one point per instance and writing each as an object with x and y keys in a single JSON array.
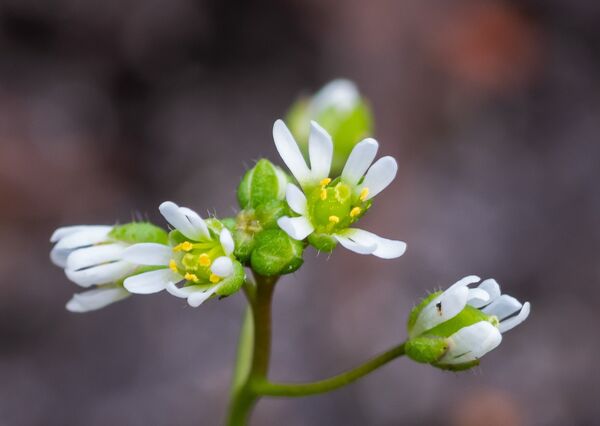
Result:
[
  {"x": 265, "y": 388},
  {"x": 252, "y": 365}
]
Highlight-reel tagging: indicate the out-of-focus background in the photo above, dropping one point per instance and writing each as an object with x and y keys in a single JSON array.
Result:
[{"x": 492, "y": 109}]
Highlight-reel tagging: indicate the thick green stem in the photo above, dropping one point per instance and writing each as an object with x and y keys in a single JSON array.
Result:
[
  {"x": 266, "y": 388},
  {"x": 252, "y": 365}
]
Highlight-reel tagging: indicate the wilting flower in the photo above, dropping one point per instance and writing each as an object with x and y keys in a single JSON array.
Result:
[
  {"x": 455, "y": 328},
  {"x": 93, "y": 256},
  {"x": 200, "y": 254},
  {"x": 327, "y": 207}
]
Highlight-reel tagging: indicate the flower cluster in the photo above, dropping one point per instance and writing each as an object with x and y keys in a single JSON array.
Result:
[{"x": 328, "y": 191}]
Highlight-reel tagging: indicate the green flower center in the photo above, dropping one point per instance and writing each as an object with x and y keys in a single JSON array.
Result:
[
  {"x": 333, "y": 206},
  {"x": 193, "y": 261}
]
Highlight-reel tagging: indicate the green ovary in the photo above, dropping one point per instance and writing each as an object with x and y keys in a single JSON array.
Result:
[{"x": 334, "y": 207}]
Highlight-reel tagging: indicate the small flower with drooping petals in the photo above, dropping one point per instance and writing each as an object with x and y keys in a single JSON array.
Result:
[
  {"x": 199, "y": 254},
  {"x": 455, "y": 328},
  {"x": 92, "y": 255},
  {"x": 328, "y": 207}
]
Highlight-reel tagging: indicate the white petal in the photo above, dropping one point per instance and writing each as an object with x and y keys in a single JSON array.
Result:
[
  {"x": 181, "y": 292},
  {"x": 94, "y": 256},
  {"x": 151, "y": 282},
  {"x": 152, "y": 254},
  {"x": 504, "y": 306},
  {"x": 185, "y": 220},
  {"x": 478, "y": 297},
  {"x": 320, "y": 152},
  {"x": 222, "y": 267},
  {"x": 83, "y": 238},
  {"x": 59, "y": 257},
  {"x": 289, "y": 152},
  {"x": 197, "y": 298},
  {"x": 492, "y": 287},
  {"x": 444, "y": 307},
  {"x": 380, "y": 175},
  {"x": 360, "y": 247},
  {"x": 61, "y": 233},
  {"x": 102, "y": 274},
  {"x": 384, "y": 248},
  {"x": 95, "y": 299},
  {"x": 296, "y": 199},
  {"x": 469, "y": 279},
  {"x": 227, "y": 241},
  {"x": 296, "y": 227},
  {"x": 512, "y": 322},
  {"x": 360, "y": 159},
  {"x": 341, "y": 94},
  {"x": 471, "y": 343},
  {"x": 199, "y": 225}
]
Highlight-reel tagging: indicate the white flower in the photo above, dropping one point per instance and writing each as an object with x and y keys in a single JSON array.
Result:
[
  {"x": 202, "y": 258},
  {"x": 496, "y": 313},
  {"x": 90, "y": 257},
  {"x": 329, "y": 207}
]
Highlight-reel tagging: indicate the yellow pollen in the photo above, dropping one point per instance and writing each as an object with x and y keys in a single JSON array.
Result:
[
  {"x": 191, "y": 277},
  {"x": 204, "y": 260},
  {"x": 323, "y": 194},
  {"x": 185, "y": 246},
  {"x": 173, "y": 266},
  {"x": 214, "y": 278},
  {"x": 364, "y": 194},
  {"x": 334, "y": 219},
  {"x": 325, "y": 181},
  {"x": 355, "y": 211}
]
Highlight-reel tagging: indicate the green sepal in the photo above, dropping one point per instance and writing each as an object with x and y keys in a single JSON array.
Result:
[
  {"x": 426, "y": 349},
  {"x": 468, "y": 316},
  {"x": 268, "y": 213},
  {"x": 244, "y": 244},
  {"x": 276, "y": 253},
  {"x": 322, "y": 242},
  {"x": 139, "y": 232},
  {"x": 234, "y": 282},
  {"x": 457, "y": 367},
  {"x": 262, "y": 183},
  {"x": 414, "y": 313}
]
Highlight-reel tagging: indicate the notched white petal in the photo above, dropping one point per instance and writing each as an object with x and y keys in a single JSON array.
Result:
[
  {"x": 295, "y": 199},
  {"x": 360, "y": 159},
  {"x": 152, "y": 254},
  {"x": 380, "y": 175},
  {"x": 98, "y": 298},
  {"x": 471, "y": 343},
  {"x": 94, "y": 256},
  {"x": 512, "y": 322},
  {"x": 151, "y": 282},
  {"x": 102, "y": 274},
  {"x": 502, "y": 307},
  {"x": 320, "y": 152},
  {"x": 290, "y": 152},
  {"x": 444, "y": 307}
]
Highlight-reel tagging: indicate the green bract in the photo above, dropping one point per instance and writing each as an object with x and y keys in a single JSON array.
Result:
[
  {"x": 262, "y": 183},
  {"x": 139, "y": 232}
]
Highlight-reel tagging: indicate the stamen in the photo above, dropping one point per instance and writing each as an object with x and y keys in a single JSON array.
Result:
[
  {"x": 173, "y": 266},
  {"x": 191, "y": 277},
  {"x": 185, "y": 246},
  {"x": 325, "y": 182},
  {"x": 204, "y": 260},
  {"x": 355, "y": 211},
  {"x": 364, "y": 194},
  {"x": 214, "y": 278},
  {"x": 323, "y": 194},
  {"x": 334, "y": 219}
]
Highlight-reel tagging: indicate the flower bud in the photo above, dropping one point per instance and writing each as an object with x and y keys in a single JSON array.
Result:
[
  {"x": 453, "y": 329},
  {"x": 261, "y": 184},
  {"x": 275, "y": 253},
  {"x": 339, "y": 109}
]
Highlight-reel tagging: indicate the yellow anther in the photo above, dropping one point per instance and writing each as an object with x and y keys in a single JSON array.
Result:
[
  {"x": 334, "y": 219},
  {"x": 185, "y": 246},
  {"x": 364, "y": 194},
  {"x": 191, "y": 277},
  {"x": 355, "y": 211},
  {"x": 204, "y": 260},
  {"x": 325, "y": 182},
  {"x": 214, "y": 278},
  {"x": 173, "y": 266},
  {"x": 323, "y": 194}
]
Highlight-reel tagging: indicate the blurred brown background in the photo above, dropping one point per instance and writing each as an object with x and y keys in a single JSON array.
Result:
[{"x": 492, "y": 108}]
